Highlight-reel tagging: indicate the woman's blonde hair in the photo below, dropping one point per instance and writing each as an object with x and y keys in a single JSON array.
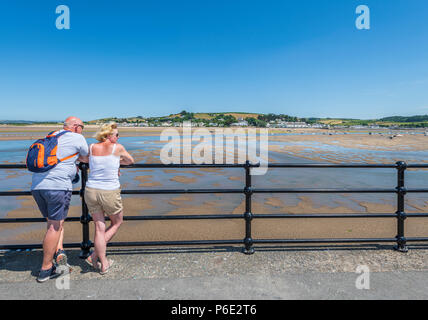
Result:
[{"x": 104, "y": 131}]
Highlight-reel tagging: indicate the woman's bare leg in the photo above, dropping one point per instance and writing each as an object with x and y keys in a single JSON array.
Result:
[
  {"x": 99, "y": 241},
  {"x": 116, "y": 221}
]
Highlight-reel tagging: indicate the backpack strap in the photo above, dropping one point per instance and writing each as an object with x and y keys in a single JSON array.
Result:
[
  {"x": 66, "y": 158},
  {"x": 71, "y": 156},
  {"x": 61, "y": 133},
  {"x": 51, "y": 134}
]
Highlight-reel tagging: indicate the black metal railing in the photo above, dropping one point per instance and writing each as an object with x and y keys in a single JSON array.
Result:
[{"x": 248, "y": 216}]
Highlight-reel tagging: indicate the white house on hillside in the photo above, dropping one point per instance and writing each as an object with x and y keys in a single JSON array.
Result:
[{"x": 242, "y": 123}]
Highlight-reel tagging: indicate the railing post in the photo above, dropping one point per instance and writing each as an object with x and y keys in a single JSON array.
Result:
[
  {"x": 248, "y": 241},
  {"x": 401, "y": 214},
  {"x": 85, "y": 218}
]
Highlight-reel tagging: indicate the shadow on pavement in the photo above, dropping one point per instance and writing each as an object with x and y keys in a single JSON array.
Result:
[{"x": 30, "y": 260}]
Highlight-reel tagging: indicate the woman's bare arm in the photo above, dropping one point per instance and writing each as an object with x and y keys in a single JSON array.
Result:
[{"x": 125, "y": 157}]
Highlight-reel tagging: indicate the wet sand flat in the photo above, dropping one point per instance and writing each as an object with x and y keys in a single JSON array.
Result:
[
  {"x": 235, "y": 229},
  {"x": 8, "y": 132},
  {"x": 364, "y": 140},
  {"x": 173, "y": 230},
  {"x": 407, "y": 142}
]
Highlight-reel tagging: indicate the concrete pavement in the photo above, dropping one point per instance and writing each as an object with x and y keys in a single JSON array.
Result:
[
  {"x": 384, "y": 285},
  {"x": 226, "y": 273}
]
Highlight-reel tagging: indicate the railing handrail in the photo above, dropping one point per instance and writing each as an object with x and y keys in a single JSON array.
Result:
[
  {"x": 248, "y": 216},
  {"x": 252, "y": 165}
]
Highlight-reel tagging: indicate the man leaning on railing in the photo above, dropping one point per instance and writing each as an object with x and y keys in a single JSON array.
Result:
[{"x": 52, "y": 189}]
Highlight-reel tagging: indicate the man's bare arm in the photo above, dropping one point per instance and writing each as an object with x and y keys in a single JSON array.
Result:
[{"x": 84, "y": 159}]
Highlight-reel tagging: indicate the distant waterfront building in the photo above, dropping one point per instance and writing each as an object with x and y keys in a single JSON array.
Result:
[
  {"x": 283, "y": 124},
  {"x": 240, "y": 124},
  {"x": 318, "y": 126}
]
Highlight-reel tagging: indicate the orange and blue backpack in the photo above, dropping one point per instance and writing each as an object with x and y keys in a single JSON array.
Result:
[{"x": 41, "y": 155}]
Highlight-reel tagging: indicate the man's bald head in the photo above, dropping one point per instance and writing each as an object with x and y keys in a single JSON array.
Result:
[{"x": 72, "y": 124}]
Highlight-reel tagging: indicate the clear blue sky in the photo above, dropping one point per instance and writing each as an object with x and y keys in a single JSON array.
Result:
[{"x": 124, "y": 58}]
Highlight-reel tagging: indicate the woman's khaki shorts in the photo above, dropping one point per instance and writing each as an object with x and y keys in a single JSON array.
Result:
[{"x": 106, "y": 201}]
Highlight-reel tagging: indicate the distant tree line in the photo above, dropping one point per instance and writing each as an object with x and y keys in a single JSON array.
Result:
[
  {"x": 405, "y": 119},
  {"x": 225, "y": 120}
]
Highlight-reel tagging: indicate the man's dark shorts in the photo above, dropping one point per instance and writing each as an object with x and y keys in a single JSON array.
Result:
[{"x": 53, "y": 204}]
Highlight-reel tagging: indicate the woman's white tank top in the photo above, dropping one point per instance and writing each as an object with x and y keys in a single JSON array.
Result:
[{"x": 104, "y": 171}]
